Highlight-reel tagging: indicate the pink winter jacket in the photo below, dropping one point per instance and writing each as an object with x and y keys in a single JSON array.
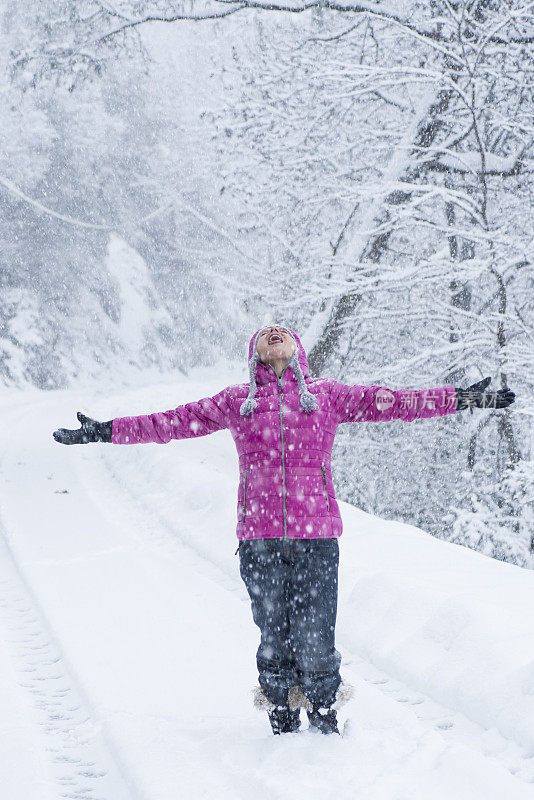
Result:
[{"x": 285, "y": 481}]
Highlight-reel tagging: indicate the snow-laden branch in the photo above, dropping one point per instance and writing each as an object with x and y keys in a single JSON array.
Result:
[
  {"x": 50, "y": 212},
  {"x": 173, "y": 18},
  {"x": 177, "y": 202},
  {"x": 503, "y": 166},
  {"x": 250, "y": 259},
  {"x": 79, "y": 223}
]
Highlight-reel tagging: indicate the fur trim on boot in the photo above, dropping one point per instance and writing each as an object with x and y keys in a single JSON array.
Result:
[
  {"x": 344, "y": 693},
  {"x": 297, "y": 699},
  {"x": 261, "y": 701}
]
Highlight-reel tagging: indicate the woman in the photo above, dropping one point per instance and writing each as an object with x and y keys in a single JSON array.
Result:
[{"x": 288, "y": 521}]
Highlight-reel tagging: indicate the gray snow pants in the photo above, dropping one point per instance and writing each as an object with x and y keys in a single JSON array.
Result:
[{"x": 292, "y": 584}]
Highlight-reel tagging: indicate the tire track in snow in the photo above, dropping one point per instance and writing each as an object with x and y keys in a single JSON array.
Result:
[{"x": 81, "y": 763}]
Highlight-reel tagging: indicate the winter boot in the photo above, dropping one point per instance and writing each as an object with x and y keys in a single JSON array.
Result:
[
  {"x": 283, "y": 720},
  {"x": 323, "y": 719}
]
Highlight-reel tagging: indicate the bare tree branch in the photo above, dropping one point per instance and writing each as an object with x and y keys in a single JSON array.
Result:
[{"x": 429, "y": 34}]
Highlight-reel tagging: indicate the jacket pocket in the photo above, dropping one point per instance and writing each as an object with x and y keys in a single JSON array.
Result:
[
  {"x": 244, "y": 494},
  {"x": 325, "y": 487}
]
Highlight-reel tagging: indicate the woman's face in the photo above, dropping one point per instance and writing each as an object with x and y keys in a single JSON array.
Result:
[{"x": 274, "y": 344}]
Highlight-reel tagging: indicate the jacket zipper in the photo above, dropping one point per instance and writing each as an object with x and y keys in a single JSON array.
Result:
[
  {"x": 325, "y": 488},
  {"x": 244, "y": 493},
  {"x": 283, "y": 454}
]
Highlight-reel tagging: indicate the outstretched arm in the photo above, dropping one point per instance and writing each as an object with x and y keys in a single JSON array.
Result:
[
  {"x": 184, "y": 422},
  {"x": 380, "y": 404},
  {"x": 199, "y": 418}
]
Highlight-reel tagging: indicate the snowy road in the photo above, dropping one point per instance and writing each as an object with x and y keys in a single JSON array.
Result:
[{"x": 127, "y": 654}]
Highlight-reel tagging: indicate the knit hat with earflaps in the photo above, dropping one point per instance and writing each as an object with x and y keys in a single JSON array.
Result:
[{"x": 307, "y": 400}]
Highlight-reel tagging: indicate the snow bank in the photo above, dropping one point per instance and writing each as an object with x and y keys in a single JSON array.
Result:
[{"x": 447, "y": 621}]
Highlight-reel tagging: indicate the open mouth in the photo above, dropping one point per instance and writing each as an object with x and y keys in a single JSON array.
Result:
[{"x": 275, "y": 338}]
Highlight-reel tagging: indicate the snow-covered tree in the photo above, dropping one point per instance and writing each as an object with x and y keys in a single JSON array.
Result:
[
  {"x": 387, "y": 174},
  {"x": 97, "y": 167}
]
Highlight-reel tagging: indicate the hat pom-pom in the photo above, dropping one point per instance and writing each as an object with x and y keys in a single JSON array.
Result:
[{"x": 248, "y": 406}]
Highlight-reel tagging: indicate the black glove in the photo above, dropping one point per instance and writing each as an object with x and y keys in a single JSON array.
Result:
[
  {"x": 476, "y": 396},
  {"x": 91, "y": 431}
]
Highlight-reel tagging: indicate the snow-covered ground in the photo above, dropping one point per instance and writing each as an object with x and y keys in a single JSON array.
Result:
[{"x": 127, "y": 648}]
